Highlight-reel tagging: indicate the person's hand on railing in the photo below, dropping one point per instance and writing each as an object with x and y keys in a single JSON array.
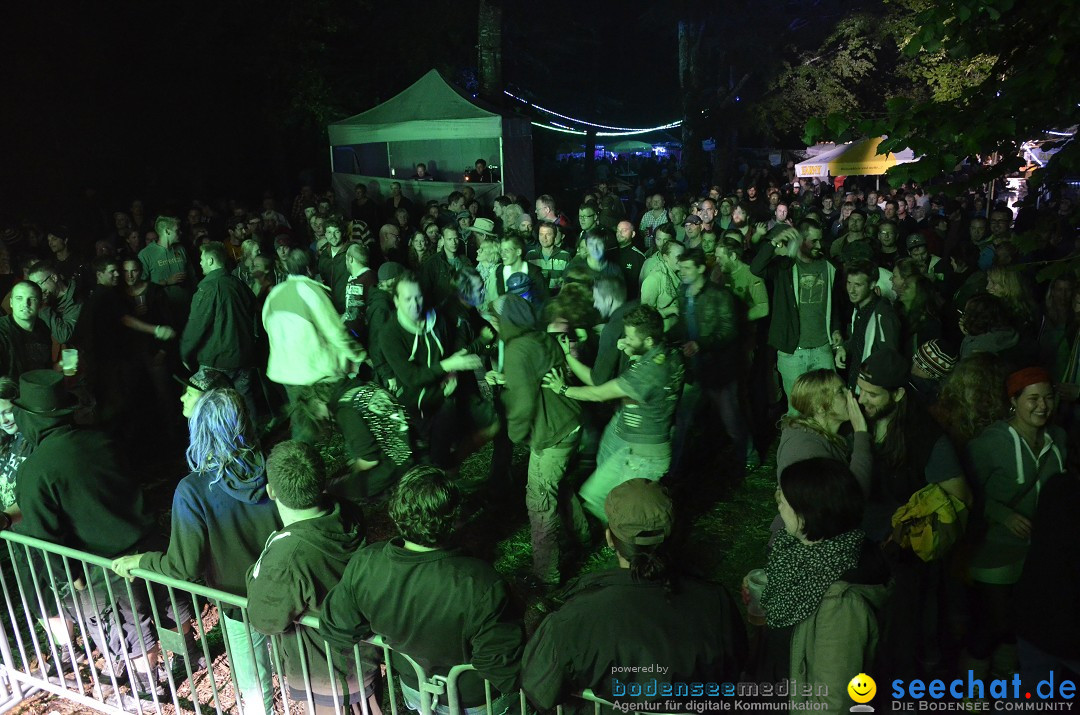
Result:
[{"x": 124, "y": 564}]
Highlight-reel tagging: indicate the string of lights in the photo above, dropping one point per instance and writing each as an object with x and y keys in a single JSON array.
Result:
[{"x": 612, "y": 131}]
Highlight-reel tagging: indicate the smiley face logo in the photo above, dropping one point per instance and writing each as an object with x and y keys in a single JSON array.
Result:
[{"x": 862, "y": 688}]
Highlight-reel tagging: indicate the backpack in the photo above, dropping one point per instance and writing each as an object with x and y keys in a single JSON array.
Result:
[{"x": 930, "y": 523}]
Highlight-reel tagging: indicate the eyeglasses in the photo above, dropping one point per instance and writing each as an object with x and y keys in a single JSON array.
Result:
[{"x": 586, "y": 215}]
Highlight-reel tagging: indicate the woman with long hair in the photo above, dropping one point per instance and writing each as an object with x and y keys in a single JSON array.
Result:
[
  {"x": 1006, "y": 284},
  {"x": 823, "y": 404},
  {"x": 1058, "y": 327},
  {"x": 917, "y": 305},
  {"x": 221, "y": 518},
  {"x": 419, "y": 250}
]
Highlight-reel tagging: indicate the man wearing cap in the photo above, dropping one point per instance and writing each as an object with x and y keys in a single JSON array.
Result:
[
  {"x": 902, "y": 435},
  {"x": 200, "y": 382},
  {"x": 637, "y": 441},
  {"x": 73, "y": 491},
  {"x": 930, "y": 365},
  {"x": 928, "y": 263},
  {"x": 549, "y": 257},
  {"x": 308, "y": 342},
  {"x": 693, "y": 227},
  {"x": 873, "y": 326},
  {"x": 616, "y": 624}
]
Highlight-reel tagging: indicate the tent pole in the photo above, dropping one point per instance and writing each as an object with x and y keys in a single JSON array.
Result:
[
  {"x": 502, "y": 167},
  {"x": 389, "y": 166}
]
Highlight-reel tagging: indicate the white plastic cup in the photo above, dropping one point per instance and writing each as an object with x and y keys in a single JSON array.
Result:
[{"x": 69, "y": 361}]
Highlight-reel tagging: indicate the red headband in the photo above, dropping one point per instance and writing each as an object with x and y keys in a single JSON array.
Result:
[{"x": 1027, "y": 377}]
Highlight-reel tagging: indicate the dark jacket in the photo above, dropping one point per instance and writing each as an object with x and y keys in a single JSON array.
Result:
[
  {"x": 335, "y": 275},
  {"x": 695, "y": 631},
  {"x": 220, "y": 332},
  {"x": 534, "y": 415},
  {"x": 298, "y": 567},
  {"x": 21, "y": 351},
  {"x": 438, "y": 277},
  {"x": 414, "y": 360},
  {"x": 441, "y": 607},
  {"x": 717, "y": 360},
  {"x": 219, "y": 526},
  {"x": 74, "y": 491},
  {"x": 784, "y": 324},
  {"x": 380, "y": 311}
]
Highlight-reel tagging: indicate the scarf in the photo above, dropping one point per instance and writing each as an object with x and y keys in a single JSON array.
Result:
[{"x": 799, "y": 574}]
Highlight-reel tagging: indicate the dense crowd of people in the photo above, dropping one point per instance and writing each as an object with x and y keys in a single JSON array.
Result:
[{"x": 902, "y": 349}]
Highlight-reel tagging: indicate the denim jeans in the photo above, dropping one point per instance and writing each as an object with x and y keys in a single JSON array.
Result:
[
  {"x": 794, "y": 365},
  {"x": 619, "y": 461},
  {"x": 250, "y": 663}
]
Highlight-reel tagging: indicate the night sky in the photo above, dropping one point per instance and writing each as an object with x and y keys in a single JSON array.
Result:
[{"x": 230, "y": 98}]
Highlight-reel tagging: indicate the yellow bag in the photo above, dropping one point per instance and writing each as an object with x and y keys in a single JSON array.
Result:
[{"x": 930, "y": 523}]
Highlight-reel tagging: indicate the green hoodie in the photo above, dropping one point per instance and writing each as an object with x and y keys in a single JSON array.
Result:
[{"x": 534, "y": 415}]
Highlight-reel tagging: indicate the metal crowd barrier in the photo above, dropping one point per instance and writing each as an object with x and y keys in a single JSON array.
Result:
[{"x": 46, "y": 587}]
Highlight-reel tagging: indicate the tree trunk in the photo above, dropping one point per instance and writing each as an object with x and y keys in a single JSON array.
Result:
[
  {"x": 490, "y": 50},
  {"x": 690, "y": 32}
]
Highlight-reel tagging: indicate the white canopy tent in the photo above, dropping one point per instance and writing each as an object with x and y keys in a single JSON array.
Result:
[{"x": 434, "y": 123}]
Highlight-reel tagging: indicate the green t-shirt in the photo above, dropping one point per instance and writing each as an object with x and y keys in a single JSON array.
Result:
[
  {"x": 813, "y": 296},
  {"x": 653, "y": 384}
]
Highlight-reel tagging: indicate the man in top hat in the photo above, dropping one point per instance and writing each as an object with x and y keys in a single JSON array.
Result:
[
  {"x": 73, "y": 490},
  {"x": 691, "y": 627}
]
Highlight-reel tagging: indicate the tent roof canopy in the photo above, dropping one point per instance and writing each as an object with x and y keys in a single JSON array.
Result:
[
  {"x": 431, "y": 108},
  {"x": 859, "y": 158}
]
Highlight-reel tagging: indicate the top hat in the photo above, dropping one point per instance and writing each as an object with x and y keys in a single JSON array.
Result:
[{"x": 42, "y": 392}]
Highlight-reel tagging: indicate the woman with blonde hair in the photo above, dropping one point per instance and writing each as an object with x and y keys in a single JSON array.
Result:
[
  {"x": 1005, "y": 283},
  {"x": 824, "y": 404}
]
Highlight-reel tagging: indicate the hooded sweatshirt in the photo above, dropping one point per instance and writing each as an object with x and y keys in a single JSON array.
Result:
[
  {"x": 298, "y": 566},
  {"x": 414, "y": 359},
  {"x": 1008, "y": 479},
  {"x": 220, "y": 522},
  {"x": 534, "y": 415}
]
